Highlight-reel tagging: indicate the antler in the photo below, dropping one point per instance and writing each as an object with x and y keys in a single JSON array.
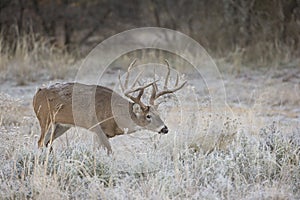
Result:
[
  {"x": 141, "y": 89},
  {"x": 155, "y": 95}
]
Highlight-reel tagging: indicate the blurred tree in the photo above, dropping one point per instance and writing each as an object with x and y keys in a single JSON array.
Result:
[{"x": 220, "y": 26}]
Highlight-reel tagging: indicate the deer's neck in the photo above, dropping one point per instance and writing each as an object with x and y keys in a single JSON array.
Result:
[{"x": 136, "y": 124}]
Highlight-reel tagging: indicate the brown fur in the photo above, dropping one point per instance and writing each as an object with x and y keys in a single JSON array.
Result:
[{"x": 71, "y": 104}]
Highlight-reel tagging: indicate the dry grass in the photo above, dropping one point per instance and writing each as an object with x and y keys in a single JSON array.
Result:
[
  {"x": 247, "y": 154},
  {"x": 31, "y": 58},
  {"x": 252, "y": 165}
]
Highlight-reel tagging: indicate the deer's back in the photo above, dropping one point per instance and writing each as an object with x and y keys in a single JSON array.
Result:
[{"x": 71, "y": 103}]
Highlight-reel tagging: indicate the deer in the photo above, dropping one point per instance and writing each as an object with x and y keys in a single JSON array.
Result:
[{"x": 56, "y": 114}]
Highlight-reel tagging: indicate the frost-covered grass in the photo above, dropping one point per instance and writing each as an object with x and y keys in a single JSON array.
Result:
[
  {"x": 260, "y": 165},
  {"x": 246, "y": 154},
  {"x": 249, "y": 168}
]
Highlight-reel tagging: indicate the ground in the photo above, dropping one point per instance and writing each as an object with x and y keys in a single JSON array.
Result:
[{"x": 250, "y": 151}]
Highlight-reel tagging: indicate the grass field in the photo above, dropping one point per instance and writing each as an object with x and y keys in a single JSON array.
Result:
[{"x": 254, "y": 153}]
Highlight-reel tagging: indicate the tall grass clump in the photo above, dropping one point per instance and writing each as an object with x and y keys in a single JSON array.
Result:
[
  {"x": 8, "y": 109},
  {"x": 31, "y": 57},
  {"x": 41, "y": 174}
]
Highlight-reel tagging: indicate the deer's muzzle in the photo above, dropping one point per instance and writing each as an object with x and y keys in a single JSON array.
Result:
[{"x": 164, "y": 130}]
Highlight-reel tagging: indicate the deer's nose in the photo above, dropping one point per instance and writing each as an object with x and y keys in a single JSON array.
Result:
[{"x": 164, "y": 130}]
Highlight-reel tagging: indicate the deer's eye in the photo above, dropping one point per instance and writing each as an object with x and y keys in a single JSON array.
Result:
[{"x": 148, "y": 116}]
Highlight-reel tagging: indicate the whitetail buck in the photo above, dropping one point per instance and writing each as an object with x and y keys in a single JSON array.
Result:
[{"x": 56, "y": 114}]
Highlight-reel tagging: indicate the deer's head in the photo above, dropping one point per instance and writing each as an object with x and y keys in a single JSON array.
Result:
[{"x": 147, "y": 116}]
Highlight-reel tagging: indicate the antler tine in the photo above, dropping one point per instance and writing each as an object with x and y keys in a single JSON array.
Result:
[
  {"x": 137, "y": 99},
  {"x": 141, "y": 87},
  {"x": 122, "y": 87},
  {"x": 127, "y": 92},
  {"x": 137, "y": 79},
  {"x": 168, "y": 74},
  {"x": 141, "y": 92},
  {"x": 155, "y": 95},
  {"x": 177, "y": 80},
  {"x": 125, "y": 86},
  {"x": 128, "y": 72},
  {"x": 131, "y": 64},
  {"x": 171, "y": 91}
]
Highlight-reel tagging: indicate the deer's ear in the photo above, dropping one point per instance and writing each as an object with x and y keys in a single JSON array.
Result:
[{"x": 136, "y": 108}]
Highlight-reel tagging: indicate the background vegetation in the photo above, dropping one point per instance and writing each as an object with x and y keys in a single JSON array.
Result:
[{"x": 256, "y": 30}]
